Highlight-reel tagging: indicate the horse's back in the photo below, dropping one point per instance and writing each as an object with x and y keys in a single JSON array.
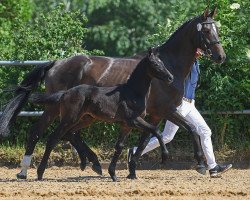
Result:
[{"x": 92, "y": 70}]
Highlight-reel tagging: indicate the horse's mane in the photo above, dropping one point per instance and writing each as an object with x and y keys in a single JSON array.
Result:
[
  {"x": 141, "y": 54},
  {"x": 172, "y": 37}
]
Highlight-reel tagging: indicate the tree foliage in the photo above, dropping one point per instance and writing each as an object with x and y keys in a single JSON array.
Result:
[{"x": 34, "y": 29}]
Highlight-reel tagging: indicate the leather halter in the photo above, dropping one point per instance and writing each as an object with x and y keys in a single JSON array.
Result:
[{"x": 203, "y": 40}]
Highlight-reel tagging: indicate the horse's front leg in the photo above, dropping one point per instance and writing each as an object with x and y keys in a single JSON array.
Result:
[
  {"x": 124, "y": 132},
  {"x": 179, "y": 120}
]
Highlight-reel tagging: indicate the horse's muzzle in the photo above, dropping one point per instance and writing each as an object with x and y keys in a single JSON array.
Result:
[{"x": 220, "y": 59}]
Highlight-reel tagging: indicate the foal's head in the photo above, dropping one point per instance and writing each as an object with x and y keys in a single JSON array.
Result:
[{"x": 156, "y": 67}]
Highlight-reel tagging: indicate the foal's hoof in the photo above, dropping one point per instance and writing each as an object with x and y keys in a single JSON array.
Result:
[
  {"x": 83, "y": 166},
  {"x": 201, "y": 169},
  {"x": 97, "y": 169},
  {"x": 21, "y": 176},
  {"x": 131, "y": 176}
]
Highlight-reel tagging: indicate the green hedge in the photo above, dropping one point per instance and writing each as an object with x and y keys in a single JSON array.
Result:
[{"x": 41, "y": 31}]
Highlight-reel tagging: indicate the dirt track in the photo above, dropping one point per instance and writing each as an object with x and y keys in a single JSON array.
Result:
[{"x": 71, "y": 183}]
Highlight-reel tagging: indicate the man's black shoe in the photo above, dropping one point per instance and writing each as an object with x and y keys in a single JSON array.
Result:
[
  {"x": 130, "y": 154},
  {"x": 218, "y": 170}
]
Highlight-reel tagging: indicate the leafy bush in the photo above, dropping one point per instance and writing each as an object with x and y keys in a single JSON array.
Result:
[{"x": 123, "y": 28}]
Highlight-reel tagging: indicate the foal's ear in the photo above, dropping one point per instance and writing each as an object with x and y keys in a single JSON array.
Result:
[
  {"x": 206, "y": 13},
  {"x": 213, "y": 13}
]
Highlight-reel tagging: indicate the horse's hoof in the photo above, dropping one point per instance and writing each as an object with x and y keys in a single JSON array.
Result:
[
  {"x": 131, "y": 176},
  {"x": 83, "y": 166},
  {"x": 39, "y": 176},
  {"x": 114, "y": 178},
  {"x": 21, "y": 176},
  {"x": 201, "y": 169},
  {"x": 97, "y": 169},
  {"x": 164, "y": 161}
]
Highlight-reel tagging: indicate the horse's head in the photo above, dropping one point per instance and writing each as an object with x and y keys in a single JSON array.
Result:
[
  {"x": 157, "y": 68},
  {"x": 208, "y": 36}
]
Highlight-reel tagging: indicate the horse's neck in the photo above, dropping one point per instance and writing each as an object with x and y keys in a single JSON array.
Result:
[
  {"x": 180, "y": 54},
  {"x": 139, "y": 81}
]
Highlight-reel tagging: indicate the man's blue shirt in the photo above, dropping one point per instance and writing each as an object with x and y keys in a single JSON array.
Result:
[{"x": 191, "y": 81}]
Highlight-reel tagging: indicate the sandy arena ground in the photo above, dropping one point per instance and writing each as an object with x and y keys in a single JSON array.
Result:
[{"x": 71, "y": 183}]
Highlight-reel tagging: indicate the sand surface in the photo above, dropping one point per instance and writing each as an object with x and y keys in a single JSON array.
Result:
[{"x": 72, "y": 183}]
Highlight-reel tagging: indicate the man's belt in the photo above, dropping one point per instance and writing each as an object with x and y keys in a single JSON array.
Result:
[{"x": 187, "y": 100}]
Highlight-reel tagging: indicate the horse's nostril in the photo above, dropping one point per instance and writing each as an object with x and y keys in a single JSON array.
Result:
[
  {"x": 220, "y": 58},
  {"x": 170, "y": 78}
]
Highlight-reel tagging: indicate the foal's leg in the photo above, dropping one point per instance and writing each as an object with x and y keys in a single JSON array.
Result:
[
  {"x": 85, "y": 121},
  {"x": 179, "y": 120},
  {"x": 36, "y": 132},
  {"x": 84, "y": 151},
  {"x": 135, "y": 157},
  {"x": 124, "y": 132},
  {"x": 75, "y": 140},
  {"x": 146, "y": 127},
  {"x": 144, "y": 139}
]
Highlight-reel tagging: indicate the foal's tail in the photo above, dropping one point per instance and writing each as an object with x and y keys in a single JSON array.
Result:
[
  {"x": 45, "y": 99},
  {"x": 22, "y": 93}
]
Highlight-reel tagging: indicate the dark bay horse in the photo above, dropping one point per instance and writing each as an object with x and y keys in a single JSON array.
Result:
[
  {"x": 178, "y": 52},
  {"x": 125, "y": 104}
]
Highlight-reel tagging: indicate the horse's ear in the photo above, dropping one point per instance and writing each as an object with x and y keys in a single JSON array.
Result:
[
  {"x": 206, "y": 13},
  {"x": 213, "y": 13},
  {"x": 151, "y": 52}
]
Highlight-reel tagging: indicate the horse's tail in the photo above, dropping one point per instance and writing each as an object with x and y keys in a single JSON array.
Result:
[
  {"x": 45, "y": 99},
  {"x": 22, "y": 93}
]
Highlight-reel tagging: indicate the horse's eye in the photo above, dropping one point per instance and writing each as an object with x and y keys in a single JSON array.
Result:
[{"x": 205, "y": 32}]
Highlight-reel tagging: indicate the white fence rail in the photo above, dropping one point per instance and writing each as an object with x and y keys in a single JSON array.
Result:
[
  {"x": 39, "y": 113},
  {"x": 22, "y": 63}
]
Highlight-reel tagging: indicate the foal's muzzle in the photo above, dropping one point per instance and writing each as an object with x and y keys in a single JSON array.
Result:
[{"x": 169, "y": 79}]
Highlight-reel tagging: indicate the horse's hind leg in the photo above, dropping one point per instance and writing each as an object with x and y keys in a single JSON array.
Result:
[
  {"x": 53, "y": 139},
  {"x": 35, "y": 133},
  {"x": 125, "y": 130}
]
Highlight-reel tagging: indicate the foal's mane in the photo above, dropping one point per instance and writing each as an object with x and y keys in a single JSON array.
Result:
[{"x": 142, "y": 64}]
